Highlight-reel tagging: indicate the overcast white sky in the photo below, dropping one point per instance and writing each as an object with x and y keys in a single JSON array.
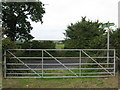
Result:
[{"x": 60, "y": 13}]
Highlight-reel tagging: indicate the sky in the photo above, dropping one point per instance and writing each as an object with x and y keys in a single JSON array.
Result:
[{"x": 61, "y": 13}]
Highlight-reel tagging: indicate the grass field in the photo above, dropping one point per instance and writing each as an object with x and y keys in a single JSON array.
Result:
[
  {"x": 111, "y": 82},
  {"x": 59, "y": 46}
]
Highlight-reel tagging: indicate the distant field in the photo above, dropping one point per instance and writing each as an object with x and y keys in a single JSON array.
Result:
[{"x": 59, "y": 46}]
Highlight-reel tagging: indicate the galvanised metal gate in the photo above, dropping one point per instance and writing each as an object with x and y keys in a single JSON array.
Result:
[{"x": 58, "y": 63}]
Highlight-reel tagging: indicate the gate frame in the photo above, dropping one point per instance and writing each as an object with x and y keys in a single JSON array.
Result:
[{"x": 45, "y": 50}]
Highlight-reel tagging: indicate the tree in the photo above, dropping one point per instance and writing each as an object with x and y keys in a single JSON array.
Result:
[
  {"x": 99, "y": 42},
  {"x": 80, "y": 34},
  {"x": 15, "y": 18},
  {"x": 115, "y": 41}
]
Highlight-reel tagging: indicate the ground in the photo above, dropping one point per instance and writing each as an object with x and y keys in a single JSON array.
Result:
[{"x": 111, "y": 82}]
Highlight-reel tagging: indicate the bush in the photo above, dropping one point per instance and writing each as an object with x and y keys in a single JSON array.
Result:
[
  {"x": 8, "y": 44},
  {"x": 35, "y": 44},
  {"x": 48, "y": 45},
  {"x": 38, "y": 45}
]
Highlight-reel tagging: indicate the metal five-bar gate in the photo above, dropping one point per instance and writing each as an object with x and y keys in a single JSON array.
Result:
[{"x": 58, "y": 63}]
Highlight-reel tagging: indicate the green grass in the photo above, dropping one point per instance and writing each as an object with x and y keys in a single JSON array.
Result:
[
  {"x": 59, "y": 46},
  {"x": 61, "y": 83},
  {"x": 111, "y": 82}
]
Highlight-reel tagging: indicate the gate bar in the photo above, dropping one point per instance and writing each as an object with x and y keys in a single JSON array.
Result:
[
  {"x": 59, "y": 64},
  {"x": 64, "y": 49},
  {"x": 55, "y": 73},
  {"x": 58, "y": 69},
  {"x": 63, "y": 76},
  {"x": 55, "y": 57}
]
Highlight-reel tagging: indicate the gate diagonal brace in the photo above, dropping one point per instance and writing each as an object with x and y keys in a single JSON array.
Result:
[
  {"x": 96, "y": 62},
  {"x": 24, "y": 64},
  {"x": 60, "y": 63}
]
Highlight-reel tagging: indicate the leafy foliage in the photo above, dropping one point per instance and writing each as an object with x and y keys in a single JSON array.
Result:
[
  {"x": 16, "y": 15},
  {"x": 80, "y": 34},
  {"x": 99, "y": 42},
  {"x": 115, "y": 41},
  {"x": 8, "y": 44},
  {"x": 38, "y": 45}
]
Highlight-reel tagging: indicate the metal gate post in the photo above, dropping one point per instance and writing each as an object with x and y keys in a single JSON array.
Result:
[
  {"x": 114, "y": 62},
  {"x": 42, "y": 63},
  {"x": 4, "y": 63},
  {"x": 108, "y": 41},
  {"x": 80, "y": 64},
  {"x": 108, "y": 58}
]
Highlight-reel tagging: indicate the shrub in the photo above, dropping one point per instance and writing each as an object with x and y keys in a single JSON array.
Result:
[
  {"x": 35, "y": 44},
  {"x": 8, "y": 44},
  {"x": 38, "y": 45},
  {"x": 48, "y": 45}
]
